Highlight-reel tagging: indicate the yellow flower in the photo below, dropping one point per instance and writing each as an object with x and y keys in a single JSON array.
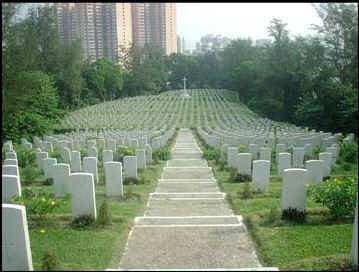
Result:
[
  {"x": 22, "y": 202},
  {"x": 43, "y": 231},
  {"x": 52, "y": 203},
  {"x": 43, "y": 199}
]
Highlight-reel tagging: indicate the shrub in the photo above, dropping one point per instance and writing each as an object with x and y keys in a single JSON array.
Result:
[
  {"x": 316, "y": 151},
  {"x": 129, "y": 181},
  {"x": 25, "y": 158},
  {"x": 247, "y": 192},
  {"x": 56, "y": 155},
  {"x": 37, "y": 202},
  {"x": 162, "y": 154},
  {"x": 292, "y": 214},
  {"x": 104, "y": 217},
  {"x": 338, "y": 195},
  {"x": 48, "y": 182},
  {"x": 49, "y": 261},
  {"x": 29, "y": 174},
  {"x": 349, "y": 152},
  {"x": 211, "y": 154},
  {"x": 82, "y": 221},
  {"x": 243, "y": 149}
]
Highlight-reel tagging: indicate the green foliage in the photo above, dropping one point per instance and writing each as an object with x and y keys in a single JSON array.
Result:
[
  {"x": 104, "y": 217},
  {"x": 338, "y": 195},
  {"x": 48, "y": 182},
  {"x": 163, "y": 154},
  {"x": 129, "y": 181},
  {"x": 38, "y": 202},
  {"x": 50, "y": 261},
  {"x": 82, "y": 222},
  {"x": 84, "y": 153},
  {"x": 29, "y": 174},
  {"x": 349, "y": 152},
  {"x": 273, "y": 215},
  {"x": 294, "y": 215},
  {"x": 25, "y": 158},
  {"x": 211, "y": 154},
  {"x": 56, "y": 155},
  {"x": 247, "y": 191},
  {"x": 243, "y": 149}
]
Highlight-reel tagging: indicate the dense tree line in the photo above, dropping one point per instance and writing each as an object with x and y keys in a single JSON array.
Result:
[{"x": 310, "y": 81}]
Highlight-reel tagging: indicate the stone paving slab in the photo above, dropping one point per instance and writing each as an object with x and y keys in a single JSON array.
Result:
[
  {"x": 187, "y": 173},
  {"x": 187, "y": 220},
  {"x": 189, "y": 248},
  {"x": 189, "y": 163},
  {"x": 187, "y": 195},
  {"x": 186, "y": 156},
  {"x": 164, "y": 207},
  {"x": 186, "y": 187}
]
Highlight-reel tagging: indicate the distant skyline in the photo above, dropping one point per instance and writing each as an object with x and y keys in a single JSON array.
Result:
[{"x": 242, "y": 20}]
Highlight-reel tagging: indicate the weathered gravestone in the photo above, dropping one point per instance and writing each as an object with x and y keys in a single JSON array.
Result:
[
  {"x": 130, "y": 165},
  {"x": 265, "y": 154},
  {"x": 83, "y": 201},
  {"x": 244, "y": 163},
  {"x": 294, "y": 190},
  {"x": 10, "y": 187},
  {"x": 315, "y": 171},
  {"x": 61, "y": 175},
  {"x": 16, "y": 252},
  {"x": 280, "y": 148},
  {"x": 114, "y": 185},
  {"x": 260, "y": 176},
  {"x": 253, "y": 149}
]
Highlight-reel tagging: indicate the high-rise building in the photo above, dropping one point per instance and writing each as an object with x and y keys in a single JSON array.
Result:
[
  {"x": 104, "y": 28},
  {"x": 179, "y": 45},
  {"x": 155, "y": 24}
]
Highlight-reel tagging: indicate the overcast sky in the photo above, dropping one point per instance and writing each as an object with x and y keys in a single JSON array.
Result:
[{"x": 241, "y": 20}]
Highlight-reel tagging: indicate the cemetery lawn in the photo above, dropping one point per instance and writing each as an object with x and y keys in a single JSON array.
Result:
[
  {"x": 94, "y": 247},
  {"x": 321, "y": 243}
]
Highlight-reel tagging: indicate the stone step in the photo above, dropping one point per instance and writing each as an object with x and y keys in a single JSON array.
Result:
[
  {"x": 189, "y": 220},
  {"x": 186, "y": 187},
  {"x": 200, "y": 180},
  {"x": 187, "y": 207},
  {"x": 187, "y": 173},
  {"x": 184, "y": 163},
  {"x": 204, "y": 269},
  {"x": 186, "y": 156},
  {"x": 187, "y": 195},
  {"x": 212, "y": 247}
]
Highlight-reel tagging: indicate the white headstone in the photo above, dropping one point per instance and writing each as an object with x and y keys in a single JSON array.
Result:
[
  {"x": 326, "y": 157},
  {"x": 10, "y": 155},
  {"x": 83, "y": 199},
  {"x": 298, "y": 157},
  {"x": 10, "y": 162},
  {"x": 90, "y": 166},
  {"x": 16, "y": 252},
  {"x": 48, "y": 163},
  {"x": 315, "y": 171},
  {"x": 148, "y": 154},
  {"x": 107, "y": 156},
  {"x": 12, "y": 170},
  {"x": 61, "y": 175},
  {"x": 141, "y": 158},
  {"x": 75, "y": 161},
  {"x": 232, "y": 157},
  {"x": 10, "y": 186},
  {"x": 66, "y": 155},
  {"x": 280, "y": 148},
  {"x": 265, "y": 154},
  {"x": 253, "y": 149},
  {"x": 245, "y": 161},
  {"x": 113, "y": 172},
  {"x": 294, "y": 190},
  {"x": 92, "y": 152},
  {"x": 130, "y": 165},
  {"x": 332, "y": 150},
  {"x": 284, "y": 162},
  {"x": 260, "y": 176}
]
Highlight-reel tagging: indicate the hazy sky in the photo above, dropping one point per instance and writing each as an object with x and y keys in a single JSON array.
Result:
[{"x": 241, "y": 20}]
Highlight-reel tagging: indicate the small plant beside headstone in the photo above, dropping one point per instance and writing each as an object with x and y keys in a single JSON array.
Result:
[
  {"x": 82, "y": 221},
  {"x": 104, "y": 217},
  {"x": 50, "y": 261},
  {"x": 247, "y": 191},
  {"x": 294, "y": 215}
]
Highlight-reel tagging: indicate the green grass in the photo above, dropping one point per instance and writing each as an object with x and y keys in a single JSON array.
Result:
[
  {"x": 95, "y": 247},
  {"x": 320, "y": 243}
]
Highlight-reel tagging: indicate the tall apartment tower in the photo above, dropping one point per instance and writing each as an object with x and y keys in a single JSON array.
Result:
[
  {"x": 155, "y": 24},
  {"x": 103, "y": 27}
]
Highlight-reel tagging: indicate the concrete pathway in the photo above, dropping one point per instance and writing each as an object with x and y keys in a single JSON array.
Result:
[{"x": 188, "y": 223}]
